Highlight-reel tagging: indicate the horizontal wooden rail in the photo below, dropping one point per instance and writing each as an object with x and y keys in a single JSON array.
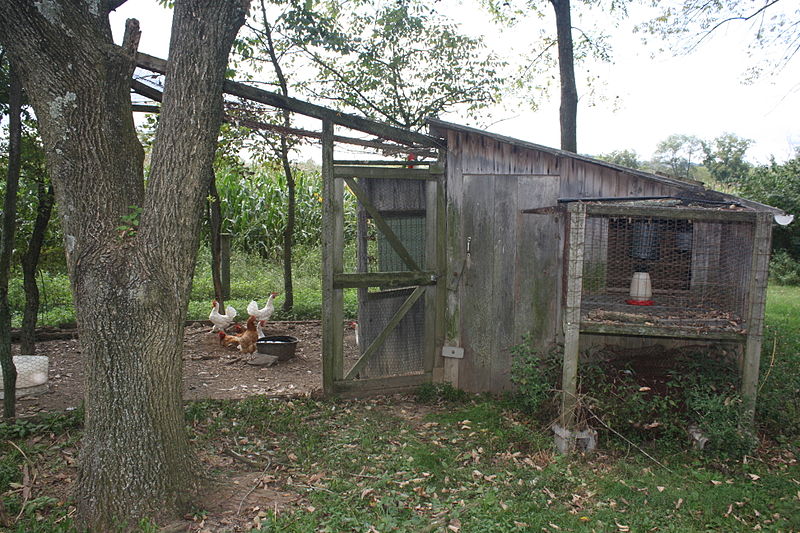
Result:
[
  {"x": 387, "y": 173},
  {"x": 383, "y": 279}
]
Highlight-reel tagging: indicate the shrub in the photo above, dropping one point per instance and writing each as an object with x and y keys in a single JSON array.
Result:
[
  {"x": 783, "y": 269},
  {"x": 537, "y": 375}
]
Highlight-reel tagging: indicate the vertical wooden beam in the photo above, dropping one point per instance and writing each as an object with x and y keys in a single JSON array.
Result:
[
  {"x": 441, "y": 265},
  {"x": 431, "y": 264},
  {"x": 572, "y": 313},
  {"x": 455, "y": 251},
  {"x": 757, "y": 298},
  {"x": 225, "y": 264},
  {"x": 332, "y": 264}
]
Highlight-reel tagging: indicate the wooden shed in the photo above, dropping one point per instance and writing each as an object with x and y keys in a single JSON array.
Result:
[{"x": 545, "y": 243}]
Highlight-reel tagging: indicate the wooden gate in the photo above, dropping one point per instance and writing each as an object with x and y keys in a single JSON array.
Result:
[{"x": 383, "y": 231}]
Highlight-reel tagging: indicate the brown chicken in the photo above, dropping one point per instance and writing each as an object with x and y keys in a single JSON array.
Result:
[{"x": 247, "y": 340}]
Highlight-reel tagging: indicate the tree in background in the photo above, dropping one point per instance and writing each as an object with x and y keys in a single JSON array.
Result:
[
  {"x": 773, "y": 26},
  {"x": 569, "y": 51},
  {"x": 724, "y": 158},
  {"x": 395, "y": 62},
  {"x": 32, "y": 231},
  {"x": 778, "y": 185},
  {"x": 7, "y": 239},
  {"x": 623, "y": 158},
  {"x": 130, "y": 250},
  {"x": 678, "y": 155}
]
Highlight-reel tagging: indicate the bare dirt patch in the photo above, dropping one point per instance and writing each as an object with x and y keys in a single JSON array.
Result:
[{"x": 210, "y": 371}]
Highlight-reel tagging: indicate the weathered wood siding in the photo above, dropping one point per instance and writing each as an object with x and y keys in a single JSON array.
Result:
[{"x": 511, "y": 282}]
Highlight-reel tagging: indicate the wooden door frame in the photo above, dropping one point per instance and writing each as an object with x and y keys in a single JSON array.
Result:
[{"x": 428, "y": 278}]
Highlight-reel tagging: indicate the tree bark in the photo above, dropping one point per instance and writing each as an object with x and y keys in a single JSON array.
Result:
[
  {"x": 7, "y": 240},
  {"x": 130, "y": 289},
  {"x": 30, "y": 261},
  {"x": 568, "y": 112}
]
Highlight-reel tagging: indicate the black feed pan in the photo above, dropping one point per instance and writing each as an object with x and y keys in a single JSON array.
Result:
[{"x": 281, "y": 346}]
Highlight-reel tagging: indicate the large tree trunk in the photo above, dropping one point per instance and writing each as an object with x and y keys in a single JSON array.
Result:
[
  {"x": 30, "y": 262},
  {"x": 566, "y": 65},
  {"x": 7, "y": 240},
  {"x": 131, "y": 290}
]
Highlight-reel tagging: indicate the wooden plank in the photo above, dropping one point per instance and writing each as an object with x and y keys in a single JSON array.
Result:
[
  {"x": 441, "y": 267},
  {"x": 673, "y": 332},
  {"x": 332, "y": 264},
  {"x": 304, "y": 108},
  {"x": 503, "y": 281},
  {"x": 384, "y": 279},
  {"x": 387, "y": 173},
  {"x": 539, "y": 252},
  {"x": 387, "y": 162},
  {"x": 380, "y": 385},
  {"x": 455, "y": 255},
  {"x": 757, "y": 299},
  {"x": 477, "y": 318},
  {"x": 390, "y": 235},
  {"x": 572, "y": 315},
  {"x": 431, "y": 263},
  {"x": 379, "y": 340},
  {"x": 674, "y": 213}
]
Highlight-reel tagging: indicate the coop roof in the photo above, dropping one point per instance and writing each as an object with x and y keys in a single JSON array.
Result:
[{"x": 691, "y": 190}]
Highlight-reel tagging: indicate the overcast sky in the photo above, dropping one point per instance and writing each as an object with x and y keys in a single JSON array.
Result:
[{"x": 645, "y": 98}]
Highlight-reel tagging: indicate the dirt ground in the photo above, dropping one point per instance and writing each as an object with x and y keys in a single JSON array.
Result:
[{"x": 209, "y": 370}]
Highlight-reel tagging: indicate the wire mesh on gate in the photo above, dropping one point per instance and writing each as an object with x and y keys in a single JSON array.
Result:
[{"x": 697, "y": 272}]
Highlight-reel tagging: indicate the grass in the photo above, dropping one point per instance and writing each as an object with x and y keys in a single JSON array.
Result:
[{"x": 469, "y": 465}]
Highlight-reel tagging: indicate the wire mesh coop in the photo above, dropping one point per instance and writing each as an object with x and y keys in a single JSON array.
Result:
[
  {"x": 666, "y": 266},
  {"x": 695, "y": 272}
]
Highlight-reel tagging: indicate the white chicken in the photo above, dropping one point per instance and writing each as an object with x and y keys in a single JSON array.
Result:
[
  {"x": 263, "y": 314},
  {"x": 219, "y": 320}
]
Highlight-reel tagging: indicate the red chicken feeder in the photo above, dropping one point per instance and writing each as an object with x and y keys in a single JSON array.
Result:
[{"x": 281, "y": 346}]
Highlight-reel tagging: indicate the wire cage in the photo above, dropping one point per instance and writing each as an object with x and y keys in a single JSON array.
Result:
[{"x": 681, "y": 271}]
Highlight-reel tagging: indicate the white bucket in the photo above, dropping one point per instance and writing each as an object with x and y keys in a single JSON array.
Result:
[
  {"x": 31, "y": 374},
  {"x": 641, "y": 289}
]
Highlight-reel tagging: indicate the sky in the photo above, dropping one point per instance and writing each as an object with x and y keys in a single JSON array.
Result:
[{"x": 644, "y": 98}]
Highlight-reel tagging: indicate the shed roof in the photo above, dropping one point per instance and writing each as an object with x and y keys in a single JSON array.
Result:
[{"x": 694, "y": 190}]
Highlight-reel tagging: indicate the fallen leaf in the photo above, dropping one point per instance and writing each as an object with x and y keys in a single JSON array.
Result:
[
  {"x": 715, "y": 482},
  {"x": 729, "y": 511},
  {"x": 550, "y": 524},
  {"x": 679, "y": 503},
  {"x": 660, "y": 489},
  {"x": 644, "y": 389},
  {"x": 754, "y": 477}
]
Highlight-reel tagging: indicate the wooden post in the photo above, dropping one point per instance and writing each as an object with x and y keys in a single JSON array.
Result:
[
  {"x": 572, "y": 314},
  {"x": 332, "y": 264},
  {"x": 432, "y": 246},
  {"x": 225, "y": 264},
  {"x": 757, "y": 298}
]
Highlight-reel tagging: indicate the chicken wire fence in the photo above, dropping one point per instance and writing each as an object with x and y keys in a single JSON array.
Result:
[
  {"x": 698, "y": 271},
  {"x": 32, "y": 375},
  {"x": 400, "y": 204}
]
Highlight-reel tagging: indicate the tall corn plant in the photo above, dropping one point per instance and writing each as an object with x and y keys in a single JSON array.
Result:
[{"x": 253, "y": 201}]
